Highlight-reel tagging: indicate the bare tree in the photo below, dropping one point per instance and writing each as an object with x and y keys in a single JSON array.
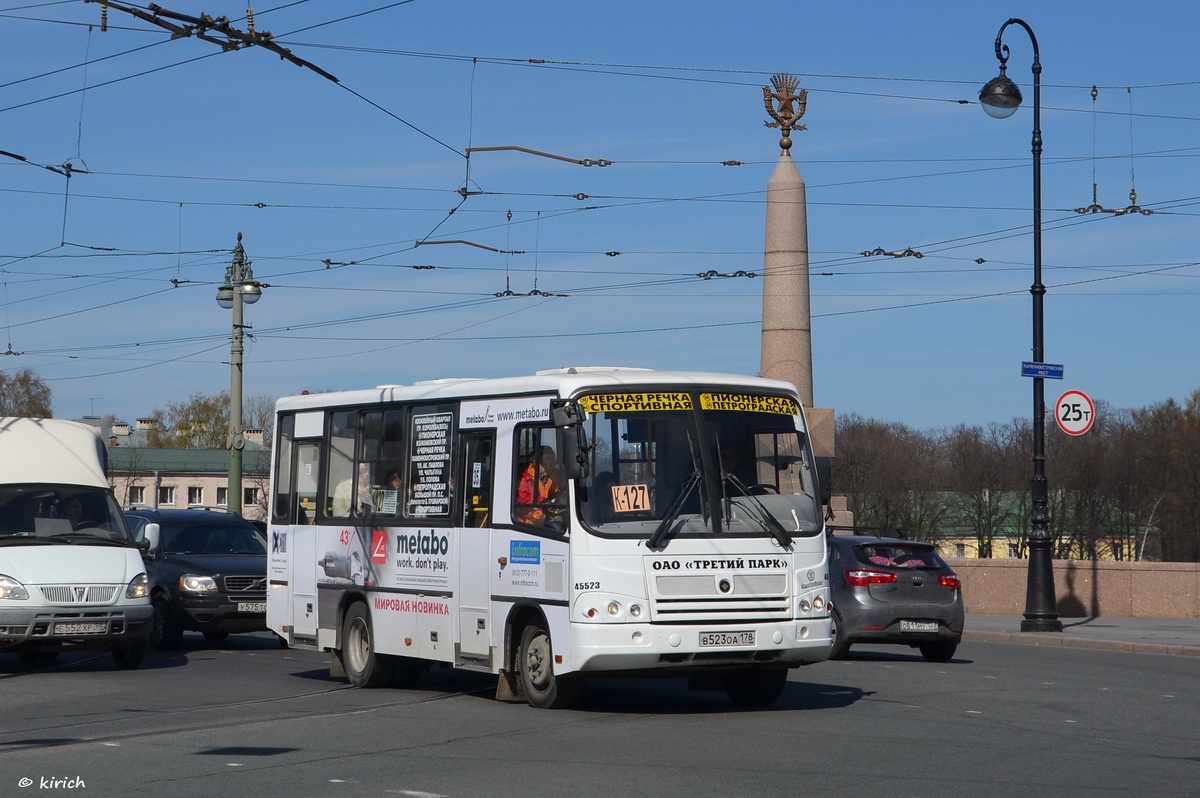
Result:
[
  {"x": 22, "y": 393},
  {"x": 981, "y": 483},
  {"x": 202, "y": 421}
]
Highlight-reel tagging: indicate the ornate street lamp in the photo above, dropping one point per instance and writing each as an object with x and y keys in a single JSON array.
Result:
[
  {"x": 1000, "y": 98},
  {"x": 239, "y": 287}
]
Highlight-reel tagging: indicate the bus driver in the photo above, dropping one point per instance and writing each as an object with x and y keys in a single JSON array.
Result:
[{"x": 541, "y": 483}]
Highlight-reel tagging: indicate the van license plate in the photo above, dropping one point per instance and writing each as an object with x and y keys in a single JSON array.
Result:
[
  {"x": 62, "y": 628},
  {"x": 723, "y": 639},
  {"x": 918, "y": 626},
  {"x": 252, "y": 606}
]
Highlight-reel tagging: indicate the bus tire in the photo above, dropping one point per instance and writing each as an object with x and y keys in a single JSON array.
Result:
[
  {"x": 364, "y": 667},
  {"x": 755, "y": 687},
  {"x": 535, "y": 664},
  {"x": 406, "y": 671}
]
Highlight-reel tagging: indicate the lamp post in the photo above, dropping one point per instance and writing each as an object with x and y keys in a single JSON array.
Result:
[
  {"x": 239, "y": 287},
  {"x": 1000, "y": 98}
]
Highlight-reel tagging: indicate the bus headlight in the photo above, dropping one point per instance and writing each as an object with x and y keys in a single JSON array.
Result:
[
  {"x": 805, "y": 606},
  {"x": 614, "y": 608},
  {"x": 635, "y": 610}
]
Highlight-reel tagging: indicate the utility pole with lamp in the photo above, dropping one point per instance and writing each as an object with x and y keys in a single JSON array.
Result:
[{"x": 239, "y": 287}]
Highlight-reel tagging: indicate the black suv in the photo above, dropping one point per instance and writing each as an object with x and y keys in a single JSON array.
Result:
[{"x": 208, "y": 573}]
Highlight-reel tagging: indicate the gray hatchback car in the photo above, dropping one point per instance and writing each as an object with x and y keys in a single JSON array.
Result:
[{"x": 885, "y": 590}]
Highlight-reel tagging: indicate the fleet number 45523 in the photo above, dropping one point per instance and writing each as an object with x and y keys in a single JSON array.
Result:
[{"x": 587, "y": 585}]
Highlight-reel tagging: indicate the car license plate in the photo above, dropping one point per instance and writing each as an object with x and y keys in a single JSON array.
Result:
[
  {"x": 724, "y": 639},
  {"x": 918, "y": 626},
  {"x": 252, "y": 606},
  {"x": 62, "y": 628}
]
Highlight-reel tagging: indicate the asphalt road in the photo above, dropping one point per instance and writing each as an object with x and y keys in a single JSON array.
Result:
[{"x": 251, "y": 719}]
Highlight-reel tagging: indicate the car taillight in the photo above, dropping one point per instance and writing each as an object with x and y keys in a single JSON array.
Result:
[
  {"x": 860, "y": 577},
  {"x": 950, "y": 580}
]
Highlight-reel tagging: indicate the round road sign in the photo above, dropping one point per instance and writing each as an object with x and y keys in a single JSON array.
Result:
[{"x": 1074, "y": 412}]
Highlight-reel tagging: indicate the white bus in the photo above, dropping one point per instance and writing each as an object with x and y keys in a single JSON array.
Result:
[
  {"x": 71, "y": 575},
  {"x": 577, "y": 522}
]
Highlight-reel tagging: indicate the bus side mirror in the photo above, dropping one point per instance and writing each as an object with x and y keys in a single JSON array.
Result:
[
  {"x": 824, "y": 476},
  {"x": 565, "y": 415}
]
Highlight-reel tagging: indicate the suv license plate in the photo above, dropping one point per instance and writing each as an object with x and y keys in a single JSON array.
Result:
[
  {"x": 918, "y": 626},
  {"x": 723, "y": 639},
  {"x": 62, "y": 628},
  {"x": 252, "y": 606}
]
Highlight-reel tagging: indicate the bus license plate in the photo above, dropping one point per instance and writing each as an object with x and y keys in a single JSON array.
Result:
[
  {"x": 725, "y": 639},
  {"x": 252, "y": 606},
  {"x": 62, "y": 628},
  {"x": 918, "y": 626}
]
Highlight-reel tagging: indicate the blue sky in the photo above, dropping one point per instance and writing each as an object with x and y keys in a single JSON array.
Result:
[{"x": 109, "y": 277}]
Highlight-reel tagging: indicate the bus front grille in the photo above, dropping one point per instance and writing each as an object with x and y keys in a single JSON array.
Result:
[{"x": 682, "y": 598}]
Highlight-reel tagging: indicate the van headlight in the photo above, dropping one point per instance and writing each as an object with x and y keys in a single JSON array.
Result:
[
  {"x": 138, "y": 587},
  {"x": 12, "y": 589},
  {"x": 197, "y": 583}
]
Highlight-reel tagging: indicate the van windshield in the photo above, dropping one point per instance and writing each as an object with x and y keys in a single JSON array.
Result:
[{"x": 66, "y": 512}]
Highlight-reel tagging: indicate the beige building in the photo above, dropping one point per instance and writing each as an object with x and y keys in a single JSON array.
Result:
[{"x": 182, "y": 478}]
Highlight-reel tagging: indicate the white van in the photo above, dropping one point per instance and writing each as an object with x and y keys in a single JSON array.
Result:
[{"x": 71, "y": 575}]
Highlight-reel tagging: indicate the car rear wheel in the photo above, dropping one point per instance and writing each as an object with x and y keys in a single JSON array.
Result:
[
  {"x": 755, "y": 687},
  {"x": 364, "y": 667},
  {"x": 165, "y": 632},
  {"x": 941, "y": 651},
  {"x": 840, "y": 647}
]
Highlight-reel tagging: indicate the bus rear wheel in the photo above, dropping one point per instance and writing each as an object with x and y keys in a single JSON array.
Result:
[
  {"x": 535, "y": 663},
  {"x": 364, "y": 666}
]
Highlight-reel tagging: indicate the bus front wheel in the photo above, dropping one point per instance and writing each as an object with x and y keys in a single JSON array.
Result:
[
  {"x": 364, "y": 667},
  {"x": 755, "y": 687},
  {"x": 535, "y": 662}
]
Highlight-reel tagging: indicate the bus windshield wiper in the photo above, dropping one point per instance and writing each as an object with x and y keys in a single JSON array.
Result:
[
  {"x": 673, "y": 510},
  {"x": 760, "y": 511}
]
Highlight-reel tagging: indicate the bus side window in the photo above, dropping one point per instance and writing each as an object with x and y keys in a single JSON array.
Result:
[
  {"x": 541, "y": 487},
  {"x": 340, "y": 489}
]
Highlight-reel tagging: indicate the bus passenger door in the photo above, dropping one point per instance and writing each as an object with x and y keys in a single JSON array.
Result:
[
  {"x": 304, "y": 543},
  {"x": 472, "y": 589}
]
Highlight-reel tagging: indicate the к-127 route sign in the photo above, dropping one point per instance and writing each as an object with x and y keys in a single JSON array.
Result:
[{"x": 1074, "y": 412}]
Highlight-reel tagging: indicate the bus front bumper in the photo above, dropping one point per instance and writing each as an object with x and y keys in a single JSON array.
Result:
[{"x": 619, "y": 647}]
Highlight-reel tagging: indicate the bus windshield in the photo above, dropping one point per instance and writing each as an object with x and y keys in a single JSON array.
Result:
[{"x": 686, "y": 464}]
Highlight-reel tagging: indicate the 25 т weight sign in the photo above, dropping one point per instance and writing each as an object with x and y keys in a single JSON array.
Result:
[{"x": 1074, "y": 412}]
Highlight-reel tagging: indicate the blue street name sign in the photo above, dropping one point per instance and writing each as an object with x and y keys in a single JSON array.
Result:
[{"x": 1049, "y": 371}]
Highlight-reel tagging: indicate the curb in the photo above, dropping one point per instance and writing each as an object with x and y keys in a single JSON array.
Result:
[{"x": 1050, "y": 639}]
